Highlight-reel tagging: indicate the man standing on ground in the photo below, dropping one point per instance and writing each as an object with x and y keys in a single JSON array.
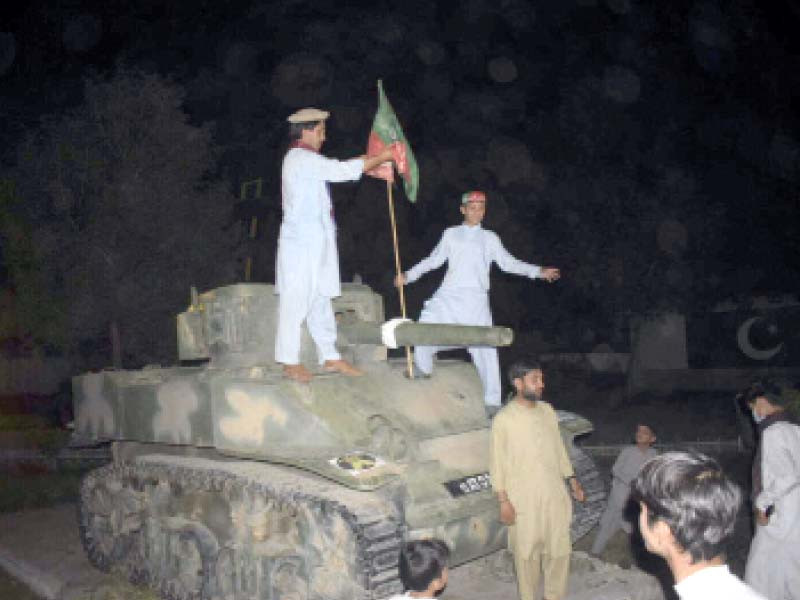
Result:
[
  {"x": 307, "y": 266},
  {"x": 688, "y": 512},
  {"x": 773, "y": 565},
  {"x": 530, "y": 471},
  {"x": 625, "y": 468},
  {"x": 463, "y": 297}
]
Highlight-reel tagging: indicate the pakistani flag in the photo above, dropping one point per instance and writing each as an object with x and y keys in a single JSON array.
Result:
[{"x": 386, "y": 130}]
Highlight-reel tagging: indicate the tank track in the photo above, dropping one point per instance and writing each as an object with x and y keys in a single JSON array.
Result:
[
  {"x": 209, "y": 530},
  {"x": 585, "y": 515}
]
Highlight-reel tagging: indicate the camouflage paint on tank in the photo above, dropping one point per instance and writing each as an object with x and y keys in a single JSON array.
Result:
[{"x": 417, "y": 448}]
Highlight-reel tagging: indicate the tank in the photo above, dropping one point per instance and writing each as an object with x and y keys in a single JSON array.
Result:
[{"x": 230, "y": 482}]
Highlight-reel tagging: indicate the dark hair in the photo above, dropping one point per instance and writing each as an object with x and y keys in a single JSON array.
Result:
[
  {"x": 650, "y": 427},
  {"x": 422, "y": 562},
  {"x": 689, "y": 492},
  {"x": 521, "y": 368},
  {"x": 770, "y": 389},
  {"x": 296, "y": 129}
]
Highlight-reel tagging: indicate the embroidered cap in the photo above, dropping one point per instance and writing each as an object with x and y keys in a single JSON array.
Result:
[
  {"x": 474, "y": 196},
  {"x": 308, "y": 115}
]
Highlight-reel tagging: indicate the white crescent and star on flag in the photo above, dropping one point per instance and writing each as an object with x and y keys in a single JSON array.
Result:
[{"x": 746, "y": 345}]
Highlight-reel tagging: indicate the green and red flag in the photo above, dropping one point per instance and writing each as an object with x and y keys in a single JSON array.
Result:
[{"x": 386, "y": 130}]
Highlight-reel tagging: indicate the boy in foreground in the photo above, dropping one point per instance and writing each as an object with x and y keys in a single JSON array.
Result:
[
  {"x": 423, "y": 568},
  {"x": 688, "y": 511}
]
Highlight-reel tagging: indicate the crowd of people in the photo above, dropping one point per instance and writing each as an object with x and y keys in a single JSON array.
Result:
[{"x": 687, "y": 506}]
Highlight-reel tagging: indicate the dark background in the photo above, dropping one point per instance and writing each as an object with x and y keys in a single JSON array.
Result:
[{"x": 650, "y": 150}]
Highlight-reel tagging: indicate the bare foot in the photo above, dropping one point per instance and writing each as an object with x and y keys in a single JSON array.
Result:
[
  {"x": 343, "y": 367},
  {"x": 297, "y": 372}
]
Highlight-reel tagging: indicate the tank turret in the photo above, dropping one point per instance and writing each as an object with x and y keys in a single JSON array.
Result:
[
  {"x": 231, "y": 481},
  {"x": 234, "y": 326}
]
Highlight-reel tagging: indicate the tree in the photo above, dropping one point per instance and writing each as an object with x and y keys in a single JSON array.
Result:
[{"x": 125, "y": 215}]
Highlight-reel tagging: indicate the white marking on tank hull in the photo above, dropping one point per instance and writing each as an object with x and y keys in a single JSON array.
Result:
[
  {"x": 94, "y": 415},
  {"x": 246, "y": 425},
  {"x": 177, "y": 400}
]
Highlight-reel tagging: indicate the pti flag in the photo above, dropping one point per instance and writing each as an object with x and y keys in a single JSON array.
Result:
[{"x": 385, "y": 131}]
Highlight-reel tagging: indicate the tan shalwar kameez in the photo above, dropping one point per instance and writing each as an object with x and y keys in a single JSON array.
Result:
[{"x": 530, "y": 463}]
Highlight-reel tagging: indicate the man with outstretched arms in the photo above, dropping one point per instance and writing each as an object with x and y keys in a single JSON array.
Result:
[
  {"x": 463, "y": 297},
  {"x": 307, "y": 269}
]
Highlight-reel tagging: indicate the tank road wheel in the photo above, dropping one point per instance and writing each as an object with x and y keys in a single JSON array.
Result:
[
  {"x": 585, "y": 515},
  {"x": 101, "y": 518},
  {"x": 225, "y": 572},
  {"x": 288, "y": 584},
  {"x": 191, "y": 559}
]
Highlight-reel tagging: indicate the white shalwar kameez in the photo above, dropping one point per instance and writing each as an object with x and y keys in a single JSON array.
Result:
[
  {"x": 307, "y": 265},
  {"x": 773, "y": 565},
  {"x": 715, "y": 583},
  {"x": 625, "y": 469},
  {"x": 463, "y": 297}
]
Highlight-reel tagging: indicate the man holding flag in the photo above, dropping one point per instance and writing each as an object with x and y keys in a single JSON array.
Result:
[
  {"x": 463, "y": 297},
  {"x": 307, "y": 265}
]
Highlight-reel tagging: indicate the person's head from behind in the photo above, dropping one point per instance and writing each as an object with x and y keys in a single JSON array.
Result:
[
  {"x": 527, "y": 379},
  {"x": 423, "y": 567},
  {"x": 688, "y": 506},
  {"x": 644, "y": 436}
]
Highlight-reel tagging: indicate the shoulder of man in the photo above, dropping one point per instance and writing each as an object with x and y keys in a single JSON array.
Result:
[
  {"x": 547, "y": 407},
  {"x": 781, "y": 430},
  {"x": 504, "y": 414},
  {"x": 296, "y": 155},
  {"x": 490, "y": 235}
]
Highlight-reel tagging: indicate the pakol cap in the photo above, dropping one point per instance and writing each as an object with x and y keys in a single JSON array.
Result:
[
  {"x": 474, "y": 196},
  {"x": 308, "y": 115}
]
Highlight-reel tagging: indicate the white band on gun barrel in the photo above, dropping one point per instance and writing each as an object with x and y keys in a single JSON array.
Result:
[{"x": 387, "y": 331}]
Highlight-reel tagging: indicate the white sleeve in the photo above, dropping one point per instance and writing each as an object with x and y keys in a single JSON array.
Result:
[
  {"x": 778, "y": 472},
  {"x": 435, "y": 260},
  {"x": 617, "y": 470},
  {"x": 508, "y": 263},
  {"x": 330, "y": 169}
]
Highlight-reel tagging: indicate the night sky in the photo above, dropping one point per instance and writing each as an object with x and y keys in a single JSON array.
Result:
[{"x": 650, "y": 150}]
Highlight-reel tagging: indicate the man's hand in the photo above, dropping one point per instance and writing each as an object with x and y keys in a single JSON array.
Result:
[
  {"x": 550, "y": 274},
  {"x": 386, "y": 155},
  {"x": 761, "y": 517},
  {"x": 399, "y": 280},
  {"x": 507, "y": 513},
  {"x": 576, "y": 489}
]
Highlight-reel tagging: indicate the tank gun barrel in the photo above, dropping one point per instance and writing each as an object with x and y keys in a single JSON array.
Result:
[{"x": 427, "y": 334}]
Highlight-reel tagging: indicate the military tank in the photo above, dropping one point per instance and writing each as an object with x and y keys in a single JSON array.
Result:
[{"x": 231, "y": 482}]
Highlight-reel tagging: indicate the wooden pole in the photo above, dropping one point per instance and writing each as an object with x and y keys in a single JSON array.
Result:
[{"x": 398, "y": 270}]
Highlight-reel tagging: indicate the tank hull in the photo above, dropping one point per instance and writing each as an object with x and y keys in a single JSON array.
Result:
[{"x": 230, "y": 481}]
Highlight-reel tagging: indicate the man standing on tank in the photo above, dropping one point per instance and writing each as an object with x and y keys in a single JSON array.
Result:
[
  {"x": 463, "y": 297},
  {"x": 307, "y": 265},
  {"x": 530, "y": 471}
]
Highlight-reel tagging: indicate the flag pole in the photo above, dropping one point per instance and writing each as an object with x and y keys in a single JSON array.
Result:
[{"x": 398, "y": 270}]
